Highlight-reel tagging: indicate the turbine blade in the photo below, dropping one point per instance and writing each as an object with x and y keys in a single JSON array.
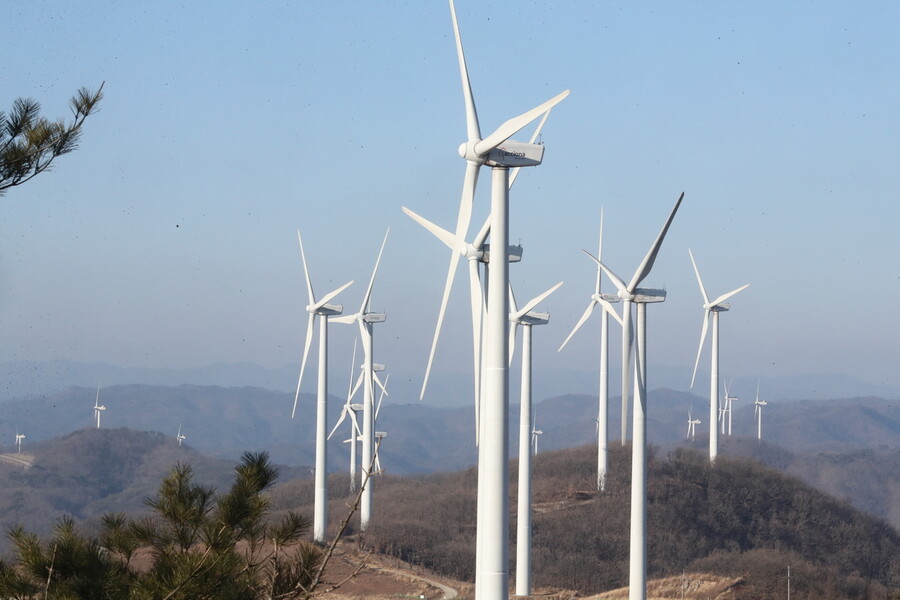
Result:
[
  {"x": 365, "y": 303},
  {"x": 725, "y": 297},
  {"x": 581, "y": 321},
  {"x": 357, "y": 430},
  {"x": 345, "y": 319},
  {"x": 339, "y": 421},
  {"x": 535, "y": 301},
  {"x": 700, "y": 281},
  {"x": 379, "y": 382},
  {"x": 610, "y": 309},
  {"x": 485, "y": 230},
  {"x": 513, "y": 328},
  {"x": 438, "y": 232},
  {"x": 599, "y": 253},
  {"x": 382, "y": 395},
  {"x": 513, "y": 173},
  {"x": 352, "y": 369},
  {"x": 472, "y": 128},
  {"x": 309, "y": 290},
  {"x": 327, "y": 297},
  {"x": 462, "y": 226},
  {"x": 356, "y": 386},
  {"x": 309, "y": 333},
  {"x": 644, "y": 269},
  {"x": 512, "y": 126},
  {"x": 700, "y": 348}
]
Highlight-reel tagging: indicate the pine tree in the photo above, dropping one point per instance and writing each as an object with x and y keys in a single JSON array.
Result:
[{"x": 29, "y": 142}]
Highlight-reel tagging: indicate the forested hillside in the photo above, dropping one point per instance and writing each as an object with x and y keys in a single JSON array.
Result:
[{"x": 738, "y": 519}]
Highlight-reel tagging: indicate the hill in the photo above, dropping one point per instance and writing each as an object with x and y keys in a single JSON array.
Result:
[
  {"x": 737, "y": 519},
  {"x": 92, "y": 471}
]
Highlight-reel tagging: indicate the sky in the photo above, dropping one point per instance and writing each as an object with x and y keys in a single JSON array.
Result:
[{"x": 169, "y": 238}]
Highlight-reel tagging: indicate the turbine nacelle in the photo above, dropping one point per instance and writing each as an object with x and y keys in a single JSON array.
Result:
[
  {"x": 648, "y": 296},
  {"x": 374, "y": 317},
  {"x": 514, "y": 254},
  {"x": 327, "y": 310},
  {"x": 533, "y": 318},
  {"x": 724, "y": 307},
  {"x": 508, "y": 154}
]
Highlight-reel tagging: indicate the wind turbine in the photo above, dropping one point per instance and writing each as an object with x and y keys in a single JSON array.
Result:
[
  {"x": 535, "y": 432},
  {"x": 692, "y": 426},
  {"x": 631, "y": 293},
  {"x": 499, "y": 152},
  {"x": 711, "y": 308},
  {"x": 604, "y": 300},
  {"x": 726, "y": 409},
  {"x": 527, "y": 318},
  {"x": 365, "y": 320},
  {"x": 757, "y": 412},
  {"x": 476, "y": 253},
  {"x": 179, "y": 436},
  {"x": 98, "y": 408},
  {"x": 19, "y": 438},
  {"x": 323, "y": 310},
  {"x": 350, "y": 410}
]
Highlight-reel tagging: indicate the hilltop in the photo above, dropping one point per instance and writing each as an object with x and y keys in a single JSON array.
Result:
[{"x": 738, "y": 521}]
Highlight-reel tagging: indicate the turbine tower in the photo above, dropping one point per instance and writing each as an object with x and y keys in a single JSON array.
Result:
[
  {"x": 499, "y": 152},
  {"x": 604, "y": 300},
  {"x": 179, "y": 436},
  {"x": 757, "y": 412},
  {"x": 711, "y": 309},
  {"x": 630, "y": 293},
  {"x": 527, "y": 318},
  {"x": 98, "y": 408},
  {"x": 323, "y": 310},
  {"x": 365, "y": 320}
]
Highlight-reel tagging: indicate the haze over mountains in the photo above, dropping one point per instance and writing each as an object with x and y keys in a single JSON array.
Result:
[
  {"x": 30, "y": 378},
  {"x": 845, "y": 447}
]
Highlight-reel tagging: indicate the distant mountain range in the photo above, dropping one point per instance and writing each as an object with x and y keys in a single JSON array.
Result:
[
  {"x": 833, "y": 444},
  {"x": 31, "y": 378}
]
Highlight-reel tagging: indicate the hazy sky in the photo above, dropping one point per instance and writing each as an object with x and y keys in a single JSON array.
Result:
[{"x": 169, "y": 237}]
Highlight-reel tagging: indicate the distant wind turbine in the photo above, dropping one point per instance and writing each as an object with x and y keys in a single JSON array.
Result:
[
  {"x": 365, "y": 320},
  {"x": 98, "y": 408},
  {"x": 692, "y": 426},
  {"x": 727, "y": 409},
  {"x": 350, "y": 410},
  {"x": 630, "y": 293},
  {"x": 757, "y": 412},
  {"x": 527, "y": 318},
  {"x": 179, "y": 436},
  {"x": 711, "y": 308},
  {"x": 19, "y": 438},
  {"x": 535, "y": 432},
  {"x": 323, "y": 310},
  {"x": 604, "y": 300}
]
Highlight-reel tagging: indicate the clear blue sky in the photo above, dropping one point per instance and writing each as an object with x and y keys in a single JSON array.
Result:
[{"x": 169, "y": 237}]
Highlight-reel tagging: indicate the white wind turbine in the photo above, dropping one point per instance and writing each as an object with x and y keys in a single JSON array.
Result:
[
  {"x": 692, "y": 426},
  {"x": 499, "y": 152},
  {"x": 365, "y": 320},
  {"x": 98, "y": 408},
  {"x": 19, "y": 438},
  {"x": 350, "y": 410},
  {"x": 476, "y": 253},
  {"x": 727, "y": 409},
  {"x": 527, "y": 318},
  {"x": 323, "y": 310},
  {"x": 630, "y": 293},
  {"x": 711, "y": 309},
  {"x": 603, "y": 400},
  {"x": 757, "y": 412},
  {"x": 535, "y": 432},
  {"x": 179, "y": 436}
]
